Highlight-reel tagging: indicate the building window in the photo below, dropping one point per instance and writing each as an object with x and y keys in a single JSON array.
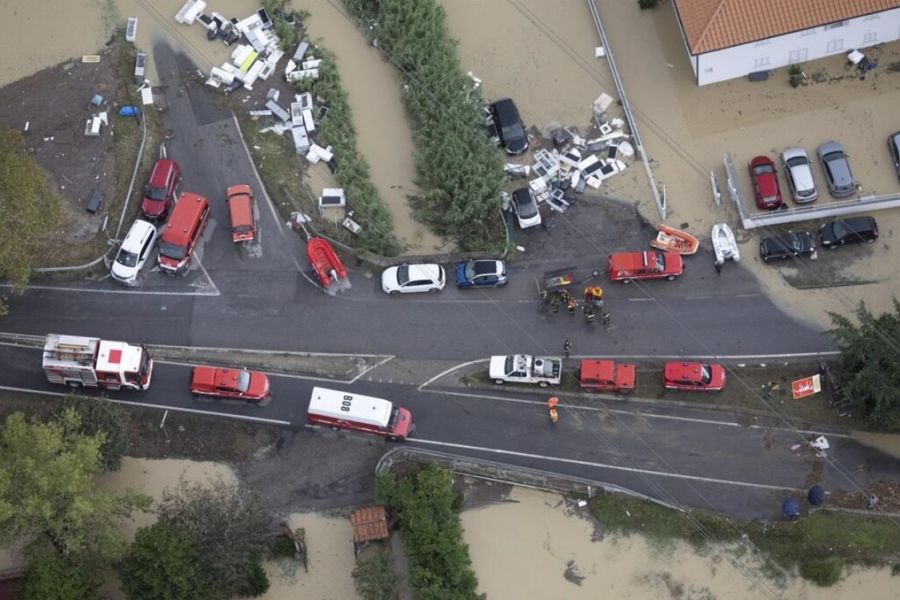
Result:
[
  {"x": 836, "y": 25},
  {"x": 762, "y": 43},
  {"x": 870, "y": 38},
  {"x": 762, "y": 61},
  {"x": 834, "y": 46},
  {"x": 797, "y": 56},
  {"x": 807, "y": 32},
  {"x": 872, "y": 17}
]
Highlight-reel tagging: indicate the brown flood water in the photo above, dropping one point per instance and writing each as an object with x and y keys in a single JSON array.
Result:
[{"x": 535, "y": 547}]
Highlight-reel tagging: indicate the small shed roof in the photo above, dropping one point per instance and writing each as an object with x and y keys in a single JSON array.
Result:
[
  {"x": 369, "y": 524},
  {"x": 715, "y": 24}
]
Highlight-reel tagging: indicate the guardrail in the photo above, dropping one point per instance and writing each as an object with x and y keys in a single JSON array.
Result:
[{"x": 661, "y": 203}]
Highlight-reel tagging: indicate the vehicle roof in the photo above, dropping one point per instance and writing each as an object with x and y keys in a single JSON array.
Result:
[
  {"x": 187, "y": 210},
  {"x": 505, "y": 109},
  {"x": 523, "y": 194},
  {"x": 421, "y": 270},
  {"x": 597, "y": 369},
  {"x": 829, "y": 146},
  {"x": 240, "y": 207},
  {"x": 161, "y": 171},
  {"x": 365, "y": 409},
  {"x": 484, "y": 266},
  {"x": 138, "y": 232},
  {"x": 633, "y": 260},
  {"x": 683, "y": 370}
]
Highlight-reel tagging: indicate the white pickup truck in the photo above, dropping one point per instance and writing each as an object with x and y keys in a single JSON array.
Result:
[{"x": 524, "y": 368}]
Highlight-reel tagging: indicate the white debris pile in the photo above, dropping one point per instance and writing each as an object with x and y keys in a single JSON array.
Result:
[{"x": 576, "y": 162}]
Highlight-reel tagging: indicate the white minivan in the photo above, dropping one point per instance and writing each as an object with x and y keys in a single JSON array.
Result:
[{"x": 134, "y": 252}]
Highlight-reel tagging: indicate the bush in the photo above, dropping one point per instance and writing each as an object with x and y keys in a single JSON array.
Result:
[
  {"x": 98, "y": 415},
  {"x": 795, "y": 75},
  {"x": 51, "y": 577},
  {"x": 440, "y": 567},
  {"x": 375, "y": 577},
  {"x": 257, "y": 582},
  {"x": 823, "y": 573}
]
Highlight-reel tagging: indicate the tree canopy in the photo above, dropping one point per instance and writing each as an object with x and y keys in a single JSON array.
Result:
[
  {"x": 162, "y": 565},
  {"x": 28, "y": 209},
  {"x": 51, "y": 577},
  {"x": 229, "y": 529},
  {"x": 868, "y": 373},
  {"x": 48, "y": 492}
]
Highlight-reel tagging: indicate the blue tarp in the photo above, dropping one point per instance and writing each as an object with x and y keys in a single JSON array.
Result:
[
  {"x": 816, "y": 495},
  {"x": 129, "y": 111},
  {"x": 791, "y": 509}
]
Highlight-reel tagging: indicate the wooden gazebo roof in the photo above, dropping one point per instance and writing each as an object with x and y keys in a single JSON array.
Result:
[{"x": 369, "y": 524}]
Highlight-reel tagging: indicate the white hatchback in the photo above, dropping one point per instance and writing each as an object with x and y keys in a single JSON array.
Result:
[
  {"x": 799, "y": 175},
  {"x": 409, "y": 279},
  {"x": 133, "y": 253}
]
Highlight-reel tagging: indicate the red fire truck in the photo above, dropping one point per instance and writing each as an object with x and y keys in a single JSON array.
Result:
[{"x": 78, "y": 361}]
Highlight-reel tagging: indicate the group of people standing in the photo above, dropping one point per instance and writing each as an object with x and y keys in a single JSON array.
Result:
[{"x": 591, "y": 308}]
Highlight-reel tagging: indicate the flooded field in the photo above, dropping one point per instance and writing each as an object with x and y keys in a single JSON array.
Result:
[{"x": 566, "y": 558}]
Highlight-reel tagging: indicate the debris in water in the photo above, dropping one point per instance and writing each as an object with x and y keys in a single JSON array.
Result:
[{"x": 570, "y": 574}]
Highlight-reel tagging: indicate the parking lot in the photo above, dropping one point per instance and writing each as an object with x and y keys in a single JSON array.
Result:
[{"x": 687, "y": 129}]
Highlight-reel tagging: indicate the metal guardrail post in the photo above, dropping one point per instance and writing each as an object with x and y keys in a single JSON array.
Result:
[{"x": 661, "y": 204}]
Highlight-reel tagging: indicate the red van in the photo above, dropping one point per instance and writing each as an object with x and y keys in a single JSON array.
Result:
[
  {"x": 355, "y": 412},
  {"x": 240, "y": 210},
  {"x": 182, "y": 233},
  {"x": 606, "y": 375}
]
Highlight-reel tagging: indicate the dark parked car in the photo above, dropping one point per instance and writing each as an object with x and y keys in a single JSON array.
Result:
[
  {"x": 837, "y": 169},
  {"x": 848, "y": 231},
  {"x": 481, "y": 272},
  {"x": 765, "y": 183},
  {"x": 894, "y": 149},
  {"x": 787, "y": 245},
  {"x": 509, "y": 126}
]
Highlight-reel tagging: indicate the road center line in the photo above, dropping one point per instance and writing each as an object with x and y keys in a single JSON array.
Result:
[{"x": 574, "y": 461}]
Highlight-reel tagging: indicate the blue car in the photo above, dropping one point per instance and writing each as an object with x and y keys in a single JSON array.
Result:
[{"x": 481, "y": 272}]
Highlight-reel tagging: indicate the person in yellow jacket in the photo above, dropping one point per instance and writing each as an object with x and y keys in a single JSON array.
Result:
[{"x": 551, "y": 408}]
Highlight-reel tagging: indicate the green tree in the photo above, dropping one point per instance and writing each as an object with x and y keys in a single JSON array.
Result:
[
  {"x": 229, "y": 528},
  {"x": 98, "y": 415},
  {"x": 868, "y": 373},
  {"x": 162, "y": 564},
  {"x": 375, "y": 577},
  {"x": 52, "y": 577},
  {"x": 28, "y": 210},
  {"x": 440, "y": 567},
  {"x": 47, "y": 489}
]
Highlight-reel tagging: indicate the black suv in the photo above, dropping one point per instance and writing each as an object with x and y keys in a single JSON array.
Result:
[
  {"x": 787, "y": 245},
  {"x": 848, "y": 231},
  {"x": 509, "y": 126}
]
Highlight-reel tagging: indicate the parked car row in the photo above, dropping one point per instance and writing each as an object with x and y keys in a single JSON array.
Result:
[
  {"x": 831, "y": 235},
  {"x": 431, "y": 277},
  {"x": 798, "y": 173},
  {"x": 176, "y": 224}
]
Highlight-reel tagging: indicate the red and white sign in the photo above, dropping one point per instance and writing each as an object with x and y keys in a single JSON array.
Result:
[{"x": 806, "y": 387}]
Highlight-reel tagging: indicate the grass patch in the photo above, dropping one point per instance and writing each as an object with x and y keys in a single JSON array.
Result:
[{"x": 818, "y": 547}]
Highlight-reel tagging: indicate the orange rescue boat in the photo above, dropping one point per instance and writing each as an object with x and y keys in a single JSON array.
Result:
[
  {"x": 675, "y": 240},
  {"x": 324, "y": 261}
]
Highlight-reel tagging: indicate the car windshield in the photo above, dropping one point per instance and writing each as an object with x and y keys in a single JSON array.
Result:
[
  {"x": 403, "y": 275},
  {"x": 763, "y": 169},
  {"x": 513, "y": 131},
  {"x": 660, "y": 261},
  {"x": 156, "y": 193},
  {"x": 129, "y": 259},
  {"x": 797, "y": 161},
  {"x": 705, "y": 374},
  {"x": 527, "y": 208},
  {"x": 242, "y": 229},
  {"x": 243, "y": 381},
  {"x": 171, "y": 251},
  {"x": 833, "y": 156}
]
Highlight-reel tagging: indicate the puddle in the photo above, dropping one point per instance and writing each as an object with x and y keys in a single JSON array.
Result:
[
  {"x": 889, "y": 443},
  {"x": 536, "y": 529}
]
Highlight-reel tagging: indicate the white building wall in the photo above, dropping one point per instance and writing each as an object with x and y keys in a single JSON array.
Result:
[{"x": 798, "y": 47}]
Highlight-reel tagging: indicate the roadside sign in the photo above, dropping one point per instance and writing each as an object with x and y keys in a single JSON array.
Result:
[{"x": 806, "y": 386}]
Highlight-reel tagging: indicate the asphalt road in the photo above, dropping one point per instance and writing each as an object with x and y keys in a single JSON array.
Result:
[
  {"x": 261, "y": 296},
  {"x": 689, "y": 457}
]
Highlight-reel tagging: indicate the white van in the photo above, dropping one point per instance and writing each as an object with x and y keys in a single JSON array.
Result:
[
  {"x": 355, "y": 412},
  {"x": 134, "y": 252}
]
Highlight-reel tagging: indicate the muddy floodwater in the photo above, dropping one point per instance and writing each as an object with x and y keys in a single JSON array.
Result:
[{"x": 539, "y": 546}]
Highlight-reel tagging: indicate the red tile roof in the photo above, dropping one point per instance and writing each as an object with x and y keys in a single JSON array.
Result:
[
  {"x": 369, "y": 523},
  {"x": 714, "y": 24}
]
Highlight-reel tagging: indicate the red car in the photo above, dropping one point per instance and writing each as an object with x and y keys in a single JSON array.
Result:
[
  {"x": 237, "y": 384},
  {"x": 240, "y": 210},
  {"x": 159, "y": 193},
  {"x": 765, "y": 183},
  {"x": 648, "y": 264},
  {"x": 694, "y": 377},
  {"x": 606, "y": 375}
]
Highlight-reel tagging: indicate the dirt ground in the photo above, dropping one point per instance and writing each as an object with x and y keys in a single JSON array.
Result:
[{"x": 54, "y": 104}]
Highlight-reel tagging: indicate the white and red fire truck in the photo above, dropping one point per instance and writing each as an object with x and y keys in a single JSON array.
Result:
[{"x": 78, "y": 361}]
